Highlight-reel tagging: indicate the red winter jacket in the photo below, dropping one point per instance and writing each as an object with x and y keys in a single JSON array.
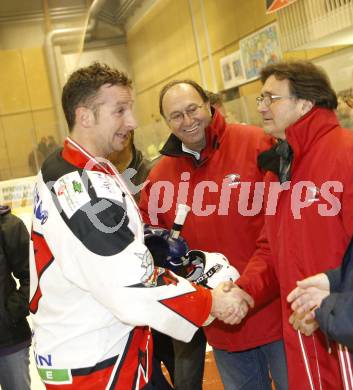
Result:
[
  {"x": 216, "y": 223},
  {"x": 307, "y": 234}
]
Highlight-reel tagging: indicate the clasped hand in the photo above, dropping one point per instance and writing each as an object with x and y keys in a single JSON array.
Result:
[
  {"x": 305, "y": 299},
  {"x": 230, "y": 304}
]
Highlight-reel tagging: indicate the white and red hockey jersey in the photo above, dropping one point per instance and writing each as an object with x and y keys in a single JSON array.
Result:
[{"x": 94, "y": 289}]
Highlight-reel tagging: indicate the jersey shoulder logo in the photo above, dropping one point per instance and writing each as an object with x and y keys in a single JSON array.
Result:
[
  {"x": 71, "y": 193},
  {"x": 105, "y": 186},
  {"x": 39, "y": 213}
]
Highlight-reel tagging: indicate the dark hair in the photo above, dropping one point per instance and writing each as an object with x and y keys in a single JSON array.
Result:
[
  {"x": 83, "y": 85},
  {"x": 215, "y": 99},
  {"x": 193, "y": 83},
  {"x": 306, "y": 81}
]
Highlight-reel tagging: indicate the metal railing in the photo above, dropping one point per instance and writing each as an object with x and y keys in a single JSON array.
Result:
[{"x": 306, "y": 21}]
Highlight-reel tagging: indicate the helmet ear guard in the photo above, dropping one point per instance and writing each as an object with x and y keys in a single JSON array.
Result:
[
  {"x": 196, "y": 265},
  {"x": 159, "y": 249},
  {"x": 209, "y": 269}
]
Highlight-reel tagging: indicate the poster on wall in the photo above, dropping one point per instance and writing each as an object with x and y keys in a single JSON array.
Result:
[
  {"x": 17, "y": 193},
  {"x": 232, "y": 70},
  {"x": 260, "y": 49},
  {"x": 275, "y": 5},
  {"x": 341, "y": 82}
]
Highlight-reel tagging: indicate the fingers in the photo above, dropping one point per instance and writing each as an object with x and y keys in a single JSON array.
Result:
[
  {"x": 221, "y": 302},
  {"x": 308, "y": 282},
  {"x": 240, "y": 307},
  {"x": 299, "y": 299},
  {"x": 297, "y": 293},
  {"x": 304, "y": 323},
  {"x": 236, "y": 314},
  {"x": 304, "y": 300},
  {"x": 293, "y": 321},
  {"x": 227, "y": 286},
  {"x": 304, "y": 303},
  {"x": 294, "y": 294},
  {"x": 248, "y": 299},
  {"x": 319, "y": 281},
  {"x": 312, "y": 284},
  {"x": 308, "y": 327},
  {"x": 230, "y": 305}
]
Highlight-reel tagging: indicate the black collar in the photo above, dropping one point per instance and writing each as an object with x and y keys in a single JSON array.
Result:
[
  {"x": 4, "y": 210},
  {"x": 173, "y": 148},
  {"x": 277, "y": 159}
]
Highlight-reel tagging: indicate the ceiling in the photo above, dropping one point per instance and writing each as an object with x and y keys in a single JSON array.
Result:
[{"x": 111, "y": 18}]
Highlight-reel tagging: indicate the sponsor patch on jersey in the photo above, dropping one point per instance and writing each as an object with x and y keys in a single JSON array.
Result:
[
  {"x": 148, "y": 266},
  {"x": 39, "y": 212},
  {"x": 71, "y": 193},
  {"x": 55, "y": 376},
  {"x": 105, "y": 186}
]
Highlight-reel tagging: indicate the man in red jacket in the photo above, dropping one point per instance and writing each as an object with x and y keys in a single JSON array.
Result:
[
  {"x": 309, "y": 214},
  {"x": 211, "y": 166}
]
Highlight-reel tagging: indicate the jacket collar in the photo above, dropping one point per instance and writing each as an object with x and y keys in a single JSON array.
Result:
[
  {"x": 137, "y": 158},
  {"x": 304, "y": 133},
  {"x": 4, "y": 210},
  {"x": 214, "y": 134},
  {"x": 76, "y": 155},
  {"x": 81, "y": 160}
]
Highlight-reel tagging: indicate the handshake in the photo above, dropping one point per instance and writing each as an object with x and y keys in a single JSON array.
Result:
[{"x": 230, "y": 304}]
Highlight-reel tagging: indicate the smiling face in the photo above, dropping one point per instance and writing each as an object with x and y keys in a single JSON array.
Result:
[
  {"x": 283, "y": 112},
  {"x": 182, "y": 98},
  {"x": 114, "y": 119}
]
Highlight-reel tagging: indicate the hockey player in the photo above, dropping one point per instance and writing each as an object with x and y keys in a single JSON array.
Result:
[{"x": 94, "y": 288}]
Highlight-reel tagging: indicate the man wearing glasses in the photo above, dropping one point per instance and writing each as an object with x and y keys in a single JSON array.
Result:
[
  {"x": 211, "y": 166},
  {"x": 313, "y": 222}
]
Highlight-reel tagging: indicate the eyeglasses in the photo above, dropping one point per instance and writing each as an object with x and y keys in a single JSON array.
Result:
[
  {"x": 267, "y": 100},
  {"x": 348, "y": 98},
  {"x": 178, "y": 116},
  {"x": 349, "y": 101}
]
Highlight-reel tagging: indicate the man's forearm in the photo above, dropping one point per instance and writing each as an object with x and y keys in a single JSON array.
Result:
[{"x": 260, "y": 281}]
